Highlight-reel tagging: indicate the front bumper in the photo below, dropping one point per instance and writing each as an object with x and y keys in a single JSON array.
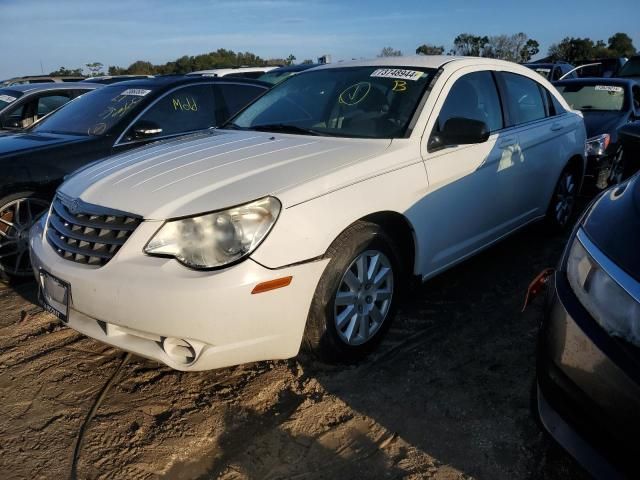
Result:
[
  {"x": 136, "y": 301},
  {"x": 588, "y": 387}
]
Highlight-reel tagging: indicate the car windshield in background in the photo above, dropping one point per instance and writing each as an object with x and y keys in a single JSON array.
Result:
[
  {"x": 367, "y": 102},
  {"x": 94, "y": 113},
  {"x": 593, "y": 97},
  {"x": 276, "y": 77},
  {"x": 543, "y": 71},
  {"x": 7, "y": 97},
  {"x": 631, "y": 68}
]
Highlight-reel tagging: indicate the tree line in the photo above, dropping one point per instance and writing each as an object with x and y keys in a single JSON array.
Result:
[{"x": 517, "y": 47}]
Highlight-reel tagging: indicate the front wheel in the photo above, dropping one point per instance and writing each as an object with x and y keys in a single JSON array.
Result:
[
  {"x": 356, "y": 297},
  {"x": 18, "y": 212},
  {"x": 563, "y": 201}
]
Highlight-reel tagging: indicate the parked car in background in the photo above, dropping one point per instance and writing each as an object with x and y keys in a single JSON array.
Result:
[
  {"x": 109, "y": 79},
  {"x": 588, "y": 366},
  {"x": 279, "y": 74},
  {"x": 631, "y": 69},
  {"x": 243, "y": 72},
  {"x": 553, "y": 71},
  {"x": 39, "y": 79},
  {"x": 606, "y": 104},
  {"x": 110, "y": 120},
  {"x": 23, "y": 105},
  {"x": 306, "y": 217},
  {"x": 601, "y": 67}
]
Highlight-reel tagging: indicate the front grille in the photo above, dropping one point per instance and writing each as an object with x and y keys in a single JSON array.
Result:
[{"x": 86, "y": 233}]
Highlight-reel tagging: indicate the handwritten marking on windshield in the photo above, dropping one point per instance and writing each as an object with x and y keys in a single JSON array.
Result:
[
  {"x": 186, "y": 104},
  {"x": 355, "y": 93}
]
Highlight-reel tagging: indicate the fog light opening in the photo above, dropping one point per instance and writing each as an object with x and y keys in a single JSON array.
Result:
[{"x": 179, "y": 350}]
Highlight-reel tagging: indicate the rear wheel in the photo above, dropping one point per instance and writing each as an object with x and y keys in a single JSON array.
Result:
[
  {"x": 564, "y": 199},
  {"x": 356, "y": 297},
  {"x": 18, "y": 212}
]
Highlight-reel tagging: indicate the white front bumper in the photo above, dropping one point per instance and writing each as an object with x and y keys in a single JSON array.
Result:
[{"x": 157, "y": 297}]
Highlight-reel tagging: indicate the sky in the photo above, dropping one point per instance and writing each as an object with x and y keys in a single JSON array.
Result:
[{"x": 71, "y": 33}]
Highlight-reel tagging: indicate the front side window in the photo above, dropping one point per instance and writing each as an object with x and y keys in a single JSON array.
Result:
[
  {"x": 364, "y": 102},
  {"x": 524, "y": 99},
  {"x": 183, "y": 110},
  {"x": 593, "y": 97},
  {"x": 473, "y": 96}
]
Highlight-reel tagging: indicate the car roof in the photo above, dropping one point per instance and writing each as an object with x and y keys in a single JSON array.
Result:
[
  {"x": 41, "y": 87},
  {"x": 228, "y": 70},
  {"x": 295, "y": 68},
  {"x": 597, "y": 81},
  {"x": 169, "y": 81}
]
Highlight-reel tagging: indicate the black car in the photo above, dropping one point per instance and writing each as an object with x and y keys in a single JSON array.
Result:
[
  {"x": 600, "y": 67},
  {"x": 588, "y": 365},
  {"x": 23, "y": 105},
  {"x": 105, "y": 122},
  {"x": 607, "y": 104},
  {"x": 553, "y": 71},
  {"x": 631, "y": 69}
]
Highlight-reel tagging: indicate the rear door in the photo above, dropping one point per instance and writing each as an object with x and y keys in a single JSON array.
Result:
[{"x": 541, "y": 149}]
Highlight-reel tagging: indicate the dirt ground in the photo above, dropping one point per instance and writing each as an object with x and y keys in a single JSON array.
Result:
[{"x": 448, "y": 396}]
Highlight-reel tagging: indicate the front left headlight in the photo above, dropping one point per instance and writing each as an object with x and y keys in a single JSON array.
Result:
[
  {"x": 217, "y": 239},
  {"x": 607, "y": 302},
  {"x": 597, "y": 146}
]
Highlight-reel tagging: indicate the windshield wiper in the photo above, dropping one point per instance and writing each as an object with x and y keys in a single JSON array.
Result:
[
  {"x": 284, "y": 128},
  {"x": 231, "y": 126}
]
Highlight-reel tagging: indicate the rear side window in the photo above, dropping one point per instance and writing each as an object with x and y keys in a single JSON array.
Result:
[
  {"x": 473, "y": 96},
  {"x": 49, "y": 103},
  {"x": 184, "y": 110},
  {"x": 236, "y": 96},
  {"x": 524, "y": 99}
]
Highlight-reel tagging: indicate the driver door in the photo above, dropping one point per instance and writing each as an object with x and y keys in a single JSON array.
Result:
[{"x": 466, "y": 207}]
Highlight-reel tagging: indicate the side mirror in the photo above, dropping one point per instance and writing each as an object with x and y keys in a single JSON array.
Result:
[
  {"x": 145, "y": 129},
  {"x": 459, "y": 131}
]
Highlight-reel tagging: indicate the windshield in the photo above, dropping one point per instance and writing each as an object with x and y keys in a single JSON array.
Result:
[
  {"x": 593, "y": 97},
  {"x": 275, "y": 77},
  {"x": 544, "y": 71},
  {"x": 631, "y": 68},
  {"x": 366, "y": 102},
  {"x": 7, "y": 97},
  {"x": 94, "y": 113}
]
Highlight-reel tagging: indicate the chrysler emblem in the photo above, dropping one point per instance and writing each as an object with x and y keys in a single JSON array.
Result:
[{"x": 74, "y": 206}]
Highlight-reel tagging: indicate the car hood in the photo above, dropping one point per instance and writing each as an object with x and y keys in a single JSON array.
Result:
[
  {"x": 613, "y": 224},
  {"x": 598, "y": 123},
  {"x": 22, "y": 142},
  {"x": 216, "y": 170}
]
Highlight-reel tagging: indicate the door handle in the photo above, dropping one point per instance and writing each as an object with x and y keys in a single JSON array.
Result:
[
  {"x": 556, "y": 126},
  {"x": 507, "y": 142}
]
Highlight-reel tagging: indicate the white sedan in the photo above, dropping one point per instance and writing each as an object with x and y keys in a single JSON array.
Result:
[{"x": 304, "y": 219}]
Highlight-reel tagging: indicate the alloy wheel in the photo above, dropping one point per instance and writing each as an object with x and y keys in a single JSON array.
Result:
[
  {"x": 16, "y": 218},
  {"x": 565, "y": 198},
  {"x": 364, "y": 297}
]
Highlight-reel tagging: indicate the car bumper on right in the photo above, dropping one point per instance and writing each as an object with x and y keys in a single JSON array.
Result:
[{"x": 588, "y": 387}]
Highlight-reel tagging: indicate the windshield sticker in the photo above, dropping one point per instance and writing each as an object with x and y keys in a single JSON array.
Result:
[
  {"x": 355, "y": 93},
  {"x": 7, "y": 98},
  {"x": 137, "y": 92},
  {"x": 609, "y": 88},
  {"x": 186, "y": 104},
  {"x": 398, "y": 73}
]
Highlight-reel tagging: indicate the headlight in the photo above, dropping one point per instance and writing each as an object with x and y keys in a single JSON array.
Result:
[
  {"x": 216, "y": 239},
  {"x": 607, "y": 302},
  {"x": 596, "y": 146}
]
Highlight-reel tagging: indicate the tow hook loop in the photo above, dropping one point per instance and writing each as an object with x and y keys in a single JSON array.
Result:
[{"x": 536, "y": 286}]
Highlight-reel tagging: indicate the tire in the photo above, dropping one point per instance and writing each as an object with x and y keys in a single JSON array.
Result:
[
  {"x": 18, "y": 212},
  {"x": 563, "y": 200},
  {"x": 348, "y": 317}
]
